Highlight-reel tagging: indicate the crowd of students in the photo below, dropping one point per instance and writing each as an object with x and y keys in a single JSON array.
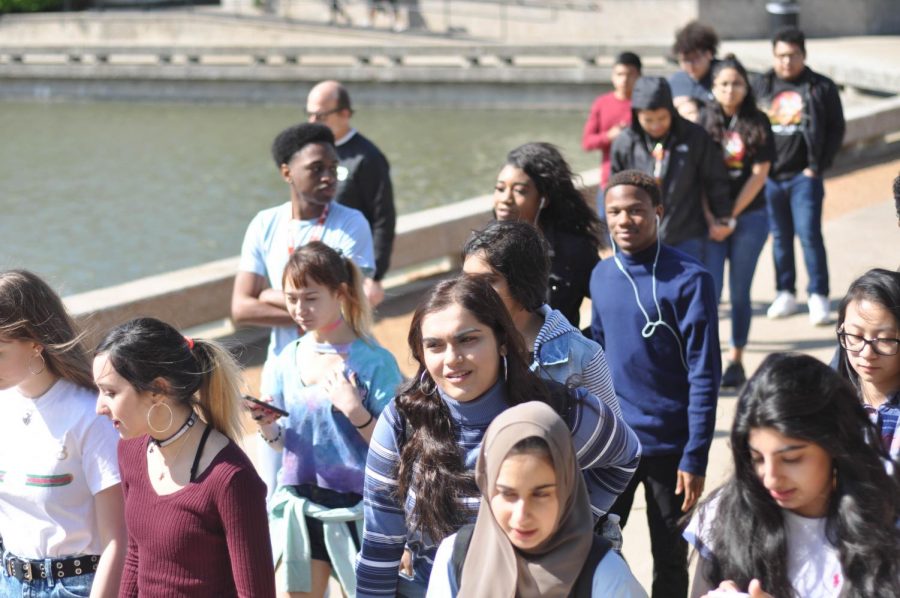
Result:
[{"x": 504, "y": 464}]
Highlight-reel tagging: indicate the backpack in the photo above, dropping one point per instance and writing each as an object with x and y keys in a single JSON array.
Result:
[{"x": 583, "y": 587}]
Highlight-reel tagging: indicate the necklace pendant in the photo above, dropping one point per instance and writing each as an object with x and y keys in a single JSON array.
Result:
[{"x": 26, "y": 419}]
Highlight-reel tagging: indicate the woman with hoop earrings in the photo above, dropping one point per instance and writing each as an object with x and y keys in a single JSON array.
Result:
[
  {"x": 194, "y": 504},
  {"x": 61, "y": 508}
]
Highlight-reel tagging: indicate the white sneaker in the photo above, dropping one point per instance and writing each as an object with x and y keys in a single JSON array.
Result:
[
  {"x": 819, "y": 306},
  {"x": 784, "y": 305}
]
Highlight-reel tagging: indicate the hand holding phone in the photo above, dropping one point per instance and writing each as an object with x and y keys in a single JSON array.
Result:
[{"x": 263, "y": 412}]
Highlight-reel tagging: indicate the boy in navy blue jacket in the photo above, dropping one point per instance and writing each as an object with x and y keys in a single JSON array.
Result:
[{"x": 655, "y": 314}]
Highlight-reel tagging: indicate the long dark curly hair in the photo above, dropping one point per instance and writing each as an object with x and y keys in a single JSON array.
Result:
[
  {"x": 430, "y": 460},
  {"x": 552, "y": 176},
  {"x": 800, "y": 397},
  {"x": 749, "y": 123}
]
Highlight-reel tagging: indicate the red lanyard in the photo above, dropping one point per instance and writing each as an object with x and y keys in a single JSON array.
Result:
[{"x": 317, "y": 230}]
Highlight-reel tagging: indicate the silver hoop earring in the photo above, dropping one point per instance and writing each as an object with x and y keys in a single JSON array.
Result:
[
  {"x": 171, "y": 417},
  {"x": 505, "y": 369},
  {"x": 43, "y": 364},
  {"x": 422, "y": 385}
]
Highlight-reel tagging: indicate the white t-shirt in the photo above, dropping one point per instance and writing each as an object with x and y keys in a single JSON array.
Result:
[
  {"x": 612, "y": 577},
  {"x": 813, "y": 567},
  {"x": 50, "y": 470},
  {"x": 272, "y": 233}
]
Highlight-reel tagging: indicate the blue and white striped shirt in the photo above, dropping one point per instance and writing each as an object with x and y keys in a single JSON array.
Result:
[{"x": 607, "y": 450}]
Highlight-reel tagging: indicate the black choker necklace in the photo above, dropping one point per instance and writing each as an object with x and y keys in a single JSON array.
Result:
[{"x": 187, "y": 425}]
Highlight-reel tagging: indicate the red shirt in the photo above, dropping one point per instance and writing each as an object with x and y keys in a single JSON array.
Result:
[
  {"x": 606, "y": 112},
  {"x": 211, "y": 538}
]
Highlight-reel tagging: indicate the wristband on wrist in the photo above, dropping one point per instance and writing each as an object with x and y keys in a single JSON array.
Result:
[
  {"x": 272, "y": 440},
  {"x": 368, "y": 421}
]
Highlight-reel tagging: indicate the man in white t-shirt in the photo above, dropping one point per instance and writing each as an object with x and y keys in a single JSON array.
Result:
[{"x": 307, "y": 160}]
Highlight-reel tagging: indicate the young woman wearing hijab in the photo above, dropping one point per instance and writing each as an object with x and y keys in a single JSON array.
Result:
[{"x": 533, "y": 532}]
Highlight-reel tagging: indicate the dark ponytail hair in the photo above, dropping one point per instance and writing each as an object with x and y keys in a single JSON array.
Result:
[
  {"x": 430, "y": 462},
  {"x": 199, "y": 373},
  {"x": 339, "y": 274},
  {"x": 800, "y": 397},
  {"x": 749, "y": 125}
]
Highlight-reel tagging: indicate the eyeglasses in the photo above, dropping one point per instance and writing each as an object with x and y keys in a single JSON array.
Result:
[
  {"x": 883, "y": 346},
  {"x": 318, "y": 117}
]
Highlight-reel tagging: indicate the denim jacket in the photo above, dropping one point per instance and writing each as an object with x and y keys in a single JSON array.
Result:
[{"x": 563, "y": 354}]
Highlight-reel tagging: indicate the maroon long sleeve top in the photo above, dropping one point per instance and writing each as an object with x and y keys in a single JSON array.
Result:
[{"x": 211, "y": 538}]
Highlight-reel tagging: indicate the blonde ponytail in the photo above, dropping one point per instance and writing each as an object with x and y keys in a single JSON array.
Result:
[{"x": 220, "y": 390}]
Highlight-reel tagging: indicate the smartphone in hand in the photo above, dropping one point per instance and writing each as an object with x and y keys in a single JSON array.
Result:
[{"x": 278, "y": 411}]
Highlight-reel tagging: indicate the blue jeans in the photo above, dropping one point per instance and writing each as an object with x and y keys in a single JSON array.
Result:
[
  {"x": 709, "y": 253},
  {"x": 743, "y": 247},
  {"x": 795, "y": 206},
  {"x": 76, "y": 586}
]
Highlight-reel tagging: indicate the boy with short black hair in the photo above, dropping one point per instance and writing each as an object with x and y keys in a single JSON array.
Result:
[
  {"x": 655, "y": 314},
  {"x": 808, "y": 125}
]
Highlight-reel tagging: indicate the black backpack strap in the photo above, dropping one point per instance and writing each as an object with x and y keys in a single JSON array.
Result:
[
  {"x": 584, "y": 585},
  {"x": 460, "y": 549}
]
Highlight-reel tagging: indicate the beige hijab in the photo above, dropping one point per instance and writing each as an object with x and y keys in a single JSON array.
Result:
[{"x": 493, "y": 566}]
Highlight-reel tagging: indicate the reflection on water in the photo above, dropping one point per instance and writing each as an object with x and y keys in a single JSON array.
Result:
[{"x": 98, "y": 194}]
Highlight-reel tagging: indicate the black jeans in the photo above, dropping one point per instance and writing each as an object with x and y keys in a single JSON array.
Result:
[{"x": 658, "y": 474}]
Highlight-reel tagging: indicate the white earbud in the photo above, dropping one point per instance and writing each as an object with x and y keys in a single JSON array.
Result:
[{"x": 543, "y": 203}]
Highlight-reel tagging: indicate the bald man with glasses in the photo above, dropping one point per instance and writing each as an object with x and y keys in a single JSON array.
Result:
[{"x": 364, "y": 175}]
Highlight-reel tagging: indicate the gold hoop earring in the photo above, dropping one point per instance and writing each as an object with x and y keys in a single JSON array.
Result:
[
  {"x": 43, "y": 364},
  {"x": 171, "y": 417}
]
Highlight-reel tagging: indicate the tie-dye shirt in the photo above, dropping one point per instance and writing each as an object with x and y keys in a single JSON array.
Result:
[{"x": 321, "y": 446}]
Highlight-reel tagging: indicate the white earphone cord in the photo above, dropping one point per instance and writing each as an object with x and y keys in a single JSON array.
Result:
[{"x": 650, "y": 327}]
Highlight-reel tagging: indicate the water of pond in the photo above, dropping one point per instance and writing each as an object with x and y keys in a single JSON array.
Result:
[{"x": 94, "y": 194}]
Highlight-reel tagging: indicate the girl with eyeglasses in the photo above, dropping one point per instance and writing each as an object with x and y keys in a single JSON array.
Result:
[
  {"x": 810, "y": 511},
  {"x": 61, "y": 508},
  {"x": 869, "y": 334}
]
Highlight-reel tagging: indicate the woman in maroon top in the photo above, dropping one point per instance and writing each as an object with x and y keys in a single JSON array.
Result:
[{"x": 194, "y": 506}]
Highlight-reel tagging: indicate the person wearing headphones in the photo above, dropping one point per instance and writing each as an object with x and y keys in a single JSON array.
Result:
[{"x": 654, "y": 312}]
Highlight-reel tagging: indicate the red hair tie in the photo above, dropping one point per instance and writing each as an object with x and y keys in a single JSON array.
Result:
[{"x": 190, "y": 342}]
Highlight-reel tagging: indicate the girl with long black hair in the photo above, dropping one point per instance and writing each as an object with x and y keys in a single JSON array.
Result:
[
  {"x": 536, "y": 186},
  {"x": 811, "y": 511},
  {"x": 868, "y": 331},
  {"x": 419, "y": 485},
  {"x": 745, "y": 137}
]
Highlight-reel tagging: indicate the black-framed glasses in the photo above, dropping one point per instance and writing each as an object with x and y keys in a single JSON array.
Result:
[
  {"x": 883, "y": 346},
  {"x": 320, "y": 116}
]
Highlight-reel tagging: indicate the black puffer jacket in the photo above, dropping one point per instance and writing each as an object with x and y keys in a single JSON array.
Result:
[{"x": 691, "y": 167}]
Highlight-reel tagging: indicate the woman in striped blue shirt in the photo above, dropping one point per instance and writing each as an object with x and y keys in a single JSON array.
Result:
[{"x": 419, "y": 485}]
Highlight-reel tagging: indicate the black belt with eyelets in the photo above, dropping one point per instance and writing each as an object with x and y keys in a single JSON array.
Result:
[{"x": 27, "y": 570}]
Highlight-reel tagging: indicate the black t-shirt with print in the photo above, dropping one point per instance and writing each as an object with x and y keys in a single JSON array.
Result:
[
  {"x": 786, "y": 111},
  {"x": 739, "y": 160}
]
